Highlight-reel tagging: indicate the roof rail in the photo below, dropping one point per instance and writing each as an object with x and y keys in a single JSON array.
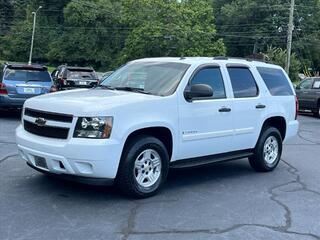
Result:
[{"x": 239, "y": 58}]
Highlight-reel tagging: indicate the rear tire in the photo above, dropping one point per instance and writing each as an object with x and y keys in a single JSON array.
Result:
[
  {"x": 143, "y": 168},
  {"x": 267, "y": 152}
]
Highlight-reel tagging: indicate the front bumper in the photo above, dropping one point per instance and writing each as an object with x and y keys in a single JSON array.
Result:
[
  {"x": 90, "y": 158},
  {"x": 78, "y": 179}
]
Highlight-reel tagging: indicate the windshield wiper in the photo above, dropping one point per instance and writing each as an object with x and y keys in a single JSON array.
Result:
[
  {"x": 106, "y": 87},
  {"x": 133, "y": 89}
]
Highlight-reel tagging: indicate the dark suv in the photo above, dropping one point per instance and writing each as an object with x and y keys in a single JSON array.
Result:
[
  {"x": 308, "y": 93},
  {"x": 19, "y": 82},
  {"x": 66, "y": 77}
]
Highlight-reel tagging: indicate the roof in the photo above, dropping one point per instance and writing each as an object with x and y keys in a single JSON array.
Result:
[
  {"x": 213, "y": 60},
  {"x": 78, "y": 68},
  {"x": 26, "y": 66}
]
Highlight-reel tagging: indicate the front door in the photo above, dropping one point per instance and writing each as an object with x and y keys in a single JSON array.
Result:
[
  {"x": 304, "y": 94},
  {"x": 206, "y": 126}
]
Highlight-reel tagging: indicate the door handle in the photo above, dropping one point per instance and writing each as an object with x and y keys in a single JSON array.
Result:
[
  {"x": 260, "y": 106},
  {"x": 225, "y": 109}
]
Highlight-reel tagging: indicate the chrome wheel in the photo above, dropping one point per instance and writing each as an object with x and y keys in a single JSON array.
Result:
[
  {"x": 147, "y": 168},
  {"x": 271, "y": 150}
]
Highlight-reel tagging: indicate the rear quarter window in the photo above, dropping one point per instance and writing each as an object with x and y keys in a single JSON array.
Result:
[{"x": 276, "y": 81}]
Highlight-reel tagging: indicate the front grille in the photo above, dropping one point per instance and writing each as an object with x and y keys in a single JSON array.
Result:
[
  {"x": 46, "y": 131},
  {"x": 48, "y": 115}
]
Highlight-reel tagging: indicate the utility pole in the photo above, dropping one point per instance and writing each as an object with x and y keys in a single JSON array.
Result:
[
  {"x": 33, "y": 31},
  {"x": 289, "y": 39}
]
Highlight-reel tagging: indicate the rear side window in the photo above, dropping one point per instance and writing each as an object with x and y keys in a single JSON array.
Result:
[
  {"x": 243, "y": 83},
  {"x": 316, "y": 83},
  {"x": 210, "y": 76},
  {"x": 26, "y": 75},
  {"x": 276, "y": 81}
]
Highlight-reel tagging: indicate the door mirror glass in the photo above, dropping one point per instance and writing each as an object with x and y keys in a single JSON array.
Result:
[{"x": 199, "y": 91}]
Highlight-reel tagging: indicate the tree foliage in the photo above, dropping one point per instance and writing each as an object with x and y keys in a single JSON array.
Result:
[{"x": 107, "y": 33}]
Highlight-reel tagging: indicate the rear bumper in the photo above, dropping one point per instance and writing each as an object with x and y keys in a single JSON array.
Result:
[
  {"x": 9, "y": 102},
  {"x": 292, "y": 130}
]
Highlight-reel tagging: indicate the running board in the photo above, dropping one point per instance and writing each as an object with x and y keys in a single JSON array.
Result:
[{"x": 200, "y": 161}]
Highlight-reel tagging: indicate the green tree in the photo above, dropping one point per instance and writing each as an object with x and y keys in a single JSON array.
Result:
[
  {"x": 91, "y": 34},
  {"x": 169, "y": 28}
]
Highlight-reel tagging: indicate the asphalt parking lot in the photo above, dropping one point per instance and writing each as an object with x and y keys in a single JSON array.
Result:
[{"x": 223, "y": 201}]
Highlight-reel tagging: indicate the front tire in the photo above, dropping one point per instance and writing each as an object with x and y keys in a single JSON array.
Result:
[
  {"x": 317, "y": 112},
  {"x": 144, "y": 167},
  {"x": 267, "y": 152}
]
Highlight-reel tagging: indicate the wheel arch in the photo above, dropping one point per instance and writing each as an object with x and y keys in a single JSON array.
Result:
[
  {"x": 278, "y": 122},
  {"x": 163, "y": 133}
]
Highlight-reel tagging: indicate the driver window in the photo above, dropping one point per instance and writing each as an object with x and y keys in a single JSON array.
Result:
[
  {"x": 306, "y": 84},
  {"x": 211, "y": 76}
]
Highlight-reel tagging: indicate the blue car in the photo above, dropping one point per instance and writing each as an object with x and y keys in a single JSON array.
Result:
[{"x": 18, "y": 82}]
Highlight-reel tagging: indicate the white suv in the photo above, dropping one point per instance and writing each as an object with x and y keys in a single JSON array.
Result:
[{"x": 157, "y": 113}]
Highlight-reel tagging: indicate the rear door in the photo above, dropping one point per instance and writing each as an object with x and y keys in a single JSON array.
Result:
[
  {"x": 25, "y": 83},
  {"x": 248, "y": 106}
]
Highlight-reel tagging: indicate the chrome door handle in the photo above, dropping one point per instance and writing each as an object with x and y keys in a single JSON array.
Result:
[
  {"x": 260, "y": 106},
  {"x": 225, "y": 109}
]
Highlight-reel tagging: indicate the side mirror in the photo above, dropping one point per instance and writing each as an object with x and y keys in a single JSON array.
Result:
[
  {"x": 198, "y": 91},
  {"x": 298, "y": 87}
]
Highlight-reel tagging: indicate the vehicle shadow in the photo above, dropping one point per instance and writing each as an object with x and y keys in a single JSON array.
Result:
[
  {"x": 307, "y": 114},
  {"x": 10, "y": 114},
  {"x": 178, "y": 180}
]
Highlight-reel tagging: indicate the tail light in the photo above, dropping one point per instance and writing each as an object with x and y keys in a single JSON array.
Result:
[
  {"x": 53, "y": 89},
  {"x": 3, "y": 90},
  {"x": 297, "y": 108},
  {"x": 63, "y": 81}
]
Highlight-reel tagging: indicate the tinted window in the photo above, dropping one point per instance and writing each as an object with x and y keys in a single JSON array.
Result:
[
  {"x": 276, "y": 81},
  {"x": 306, "y": 84},
  {"x": 78, "y": 74},
  {"x": 243, "y": 83},
  {"x": 213, "y": 78},
  {"x": 316, "y": 83},
  {"x": 26, "y": 75}
]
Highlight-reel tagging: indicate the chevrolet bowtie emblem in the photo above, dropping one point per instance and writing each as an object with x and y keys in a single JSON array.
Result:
[{"x": 40, "y": 122}]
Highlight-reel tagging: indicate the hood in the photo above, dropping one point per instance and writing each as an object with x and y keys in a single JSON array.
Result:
[{"x": 86, "y": 102}]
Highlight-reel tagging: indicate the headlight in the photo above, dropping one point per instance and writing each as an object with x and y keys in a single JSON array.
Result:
[{"x": 93, "y": 127}]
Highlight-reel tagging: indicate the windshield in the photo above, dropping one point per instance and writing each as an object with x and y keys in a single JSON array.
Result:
[
  {"x": 158, "y": 78},
  {"x": 26, "y": 75},
  {"x": 76, "y": 74}
]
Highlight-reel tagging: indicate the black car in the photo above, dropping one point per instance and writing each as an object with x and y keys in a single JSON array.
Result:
[
  {"x": 66, "y": 77},
  {"x": 308, "y": 93}
]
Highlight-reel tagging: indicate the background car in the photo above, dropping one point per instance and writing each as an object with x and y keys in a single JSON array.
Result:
[
  {"x": 66, "y": 77},
  {"x": 19, "y": 82},
  {"x": 308, "y": 93}
]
